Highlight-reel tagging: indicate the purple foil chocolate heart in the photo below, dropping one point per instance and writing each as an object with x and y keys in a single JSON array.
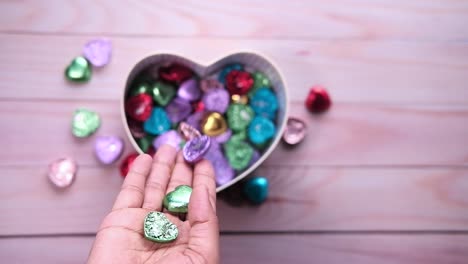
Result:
[
  {"x": 255, "y": 157},
  {"x": 224, "y": 137},
  {"x": 214, "y": 151},
  {"x": 178, "y": 110},
  {"x": 223, "y": 171},
  {"x": 108, "y": 148},
  {"x": 189, "y": 90},
  {"x": 171, "y": 138},
  {"x": 216, "y": 100},
  {"x": 195, "y": 120},
  {"x": 195, "y": 149},
  {"x": 208, "y": 84},
  {"x": 98, "y": 52}
]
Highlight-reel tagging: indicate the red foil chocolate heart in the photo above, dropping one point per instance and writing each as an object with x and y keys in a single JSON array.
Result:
[
  {"x": 239, "y": 82},
  {"x": 127, "y": 163},
  {"x": 175, "y": 73},
  {"x": 318, "y": 100},
  {"x": 139, "y": 106}
]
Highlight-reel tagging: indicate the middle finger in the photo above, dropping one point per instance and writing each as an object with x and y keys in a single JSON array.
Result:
[{"x": 181, "y": 175}]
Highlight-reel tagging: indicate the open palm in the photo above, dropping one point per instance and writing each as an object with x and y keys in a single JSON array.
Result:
[{"x": 120, "y": 238}]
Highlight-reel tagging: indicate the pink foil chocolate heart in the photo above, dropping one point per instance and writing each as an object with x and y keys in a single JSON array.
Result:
[
  {"x": 188, "y": 131},
  {"x": 62, "y": 172},
  {"x": 295, "y": 131}
]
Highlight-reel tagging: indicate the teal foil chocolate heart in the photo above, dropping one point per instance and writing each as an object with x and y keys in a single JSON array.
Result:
[
  {"x": 158, "y": 228},
  {"x": 177, "y": 201}
]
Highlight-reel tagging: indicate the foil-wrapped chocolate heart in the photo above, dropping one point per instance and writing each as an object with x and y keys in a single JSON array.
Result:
[{"x": 158, "y": 228}]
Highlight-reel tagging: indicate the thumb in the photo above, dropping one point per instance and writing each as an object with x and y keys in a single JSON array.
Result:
[{"x": 204, "y": 232}]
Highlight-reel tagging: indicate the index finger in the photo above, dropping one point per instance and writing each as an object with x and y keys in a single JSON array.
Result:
[
  {"x": 204, "y": 176},
  {"x": 156, "y": 185},
  {"x": 131, "y": 194}
]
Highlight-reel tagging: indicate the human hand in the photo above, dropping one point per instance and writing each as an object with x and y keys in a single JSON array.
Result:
[{"x": 120, "y": 238}]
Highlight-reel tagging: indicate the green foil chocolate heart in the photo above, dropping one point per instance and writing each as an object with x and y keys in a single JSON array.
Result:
[
  {"x": 145, "y": 142},
  {"x": 158, "y": 228},
  {"x": 85, "y": 123},
  {"x": 260, "y": 81},
  {"x": 239, "y": 116},
  {"x": 79, "y": 70},
  {"x": 140, "y": 88},
  {"x": 239, "y": 136},
  {"x": 238, "y": 154},
  {"x": 163, "y": 93},
  {"x": 177, "y": 201}
]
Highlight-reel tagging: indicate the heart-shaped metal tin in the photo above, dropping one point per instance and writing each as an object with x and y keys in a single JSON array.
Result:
[{"x": 250, "y": 59}]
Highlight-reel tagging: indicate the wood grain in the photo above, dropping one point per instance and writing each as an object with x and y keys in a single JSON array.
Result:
[
  {"x": 375, "y": 249},
  {"x": 354, "y": 71},
  {"x": 382, "y": 178},
  {"x": 366, "y": 19},
  {"x": 37, "y": 132},
  {"x": 301, "y": 199}
]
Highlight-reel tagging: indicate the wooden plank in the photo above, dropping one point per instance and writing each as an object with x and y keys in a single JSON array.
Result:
[
  {"x": 301, "y": 199},
  {"x": 36, "y": 132},
  {"x": 31, "y": 66},
  {"x": 375, "y": 249},
  {"x": 366, "y": 19}
]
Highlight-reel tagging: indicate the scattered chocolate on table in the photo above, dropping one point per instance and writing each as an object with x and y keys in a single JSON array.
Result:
[
  {"x": 256, "y": 189},
  {"x": 127, "y": 163},
  {"x": 98, "y": 52},
  {"x": 85, "y": 122},
  {"x": 108, "y": 149},
  {"x": 318, "y": 100},
  {"x": 295, "y": 131},
  {"x": 62, "y": 172},
  {"x": 79, "y": 70}
]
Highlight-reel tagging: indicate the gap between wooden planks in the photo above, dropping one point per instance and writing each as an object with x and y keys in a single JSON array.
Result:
[
  {"x": 32, "y": 66},
  {"x": 300, "y": 199},
  {"x": 375, "y": 249},
  {"x": 349, "y": 134},
  {"x": 340, "y": 19}
]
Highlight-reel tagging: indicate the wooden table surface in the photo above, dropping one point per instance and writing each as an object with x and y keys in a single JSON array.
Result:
[{"x": 381, "y": 178}]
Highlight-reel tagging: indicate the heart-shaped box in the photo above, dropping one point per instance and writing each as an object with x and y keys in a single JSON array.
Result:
[{"x": 250, "y": 60}]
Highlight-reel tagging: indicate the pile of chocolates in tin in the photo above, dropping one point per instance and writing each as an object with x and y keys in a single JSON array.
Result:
[{"x": 228, "y": 118}]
